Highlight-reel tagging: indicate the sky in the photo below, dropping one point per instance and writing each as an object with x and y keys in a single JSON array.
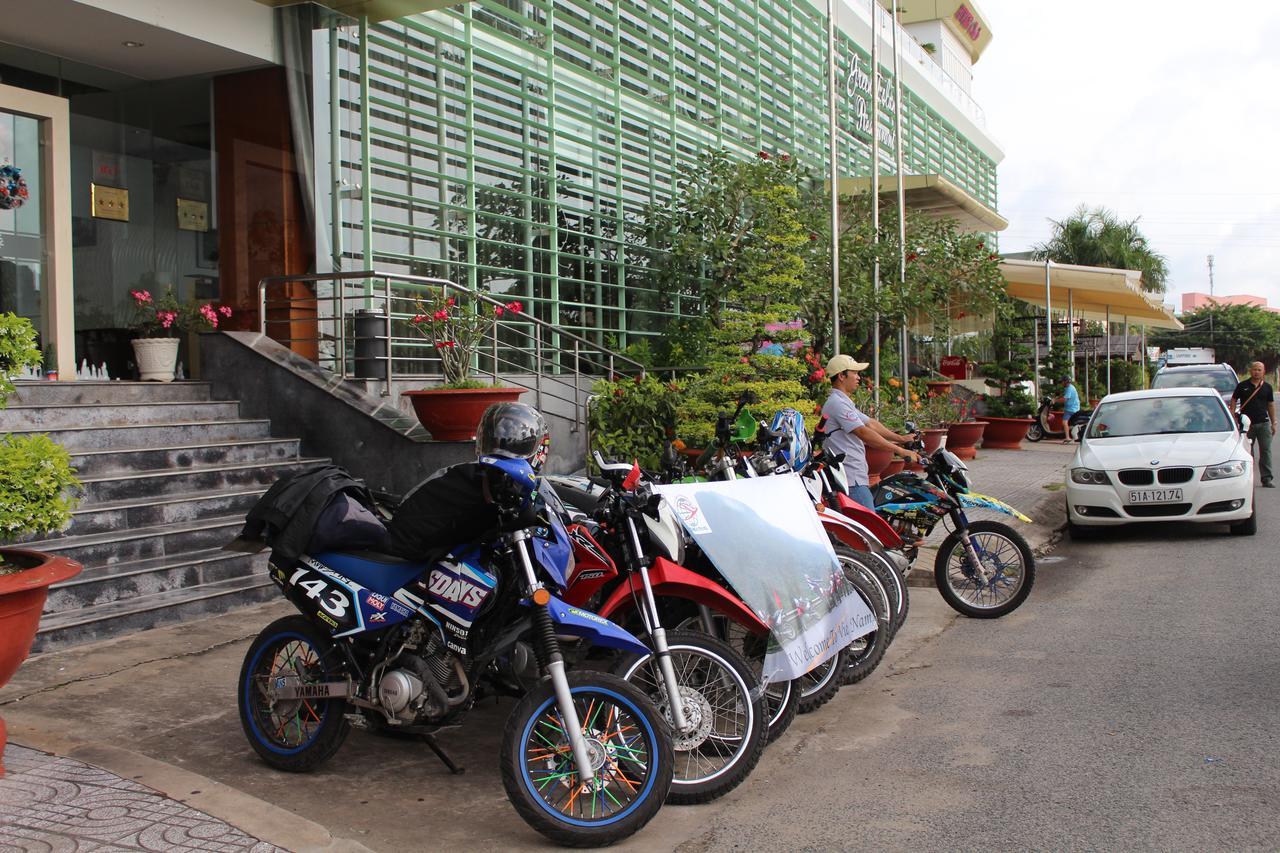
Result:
[{"x": 1163, "y": 111}]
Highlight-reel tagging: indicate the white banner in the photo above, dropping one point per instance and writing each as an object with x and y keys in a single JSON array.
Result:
[{"x": 765, "y": 537}]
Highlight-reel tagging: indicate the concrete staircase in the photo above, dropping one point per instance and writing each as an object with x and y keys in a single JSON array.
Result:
[{"x": 168, "y": 475}]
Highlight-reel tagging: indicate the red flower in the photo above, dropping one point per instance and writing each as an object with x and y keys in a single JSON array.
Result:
[
  {"x": 449, "y": 302},
  {"x": 993, "y": 257},
  {"x": 817, "y": 375},
  {"x": 763, "y": 155},
  {"x": 784, "y": 157},
  {"x": 813, "y": 238},
  {"x": 142, "y": 297},
  {"x": 440, "y": 315},
  {"x": 911, "y": 256},
  {"x": 497, "y": 310},
  {"x": 744, "y": 360},
  {"x": 515, "y": 307},
  {"x": 418, "y": 318},
  {"x": 225, "y": 310}
]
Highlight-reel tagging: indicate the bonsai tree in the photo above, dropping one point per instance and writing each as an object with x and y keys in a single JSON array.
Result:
[
  {"x": 1007, "y": 375},
  {"x": 37, "y": 482}
]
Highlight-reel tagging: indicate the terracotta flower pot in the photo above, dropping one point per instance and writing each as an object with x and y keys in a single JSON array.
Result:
[
  {"x": 963, "y": 437},
  {"x": 156, "y": 358},
  {"x": 877, "y": 461},
  {"x": 942, "y": 386},
  {"x": 452, "y": 414},
  {"x": 22, "y": 596},
  {"x": 932, "y": 441},
  {"x": 1004, "y": 433},
  {"x": 896, "y": 464}
]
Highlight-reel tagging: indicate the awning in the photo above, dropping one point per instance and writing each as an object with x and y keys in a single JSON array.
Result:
[
  {"x": 934, "y": 196},
  {"x": 1089, "y": 291}
]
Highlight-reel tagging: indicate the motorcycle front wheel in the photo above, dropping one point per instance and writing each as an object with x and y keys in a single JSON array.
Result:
[
  {"x": 819, "y": 685},
  {"x": 629, "y": 745},
  {"x": 865, "y": 653},
  {"x": 1006, "y": 558},
  {"x": 297, "y": 735},
  {"x": 724, "y": 709}
]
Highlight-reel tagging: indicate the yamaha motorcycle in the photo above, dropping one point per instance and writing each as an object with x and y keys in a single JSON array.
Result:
[{"x": 408, "y": 645}]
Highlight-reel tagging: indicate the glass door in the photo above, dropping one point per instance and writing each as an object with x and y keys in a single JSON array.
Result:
[{"x": 22, "y": 237}]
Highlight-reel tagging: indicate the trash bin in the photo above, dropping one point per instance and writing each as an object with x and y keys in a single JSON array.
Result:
[{"x": 370, "y": 336}]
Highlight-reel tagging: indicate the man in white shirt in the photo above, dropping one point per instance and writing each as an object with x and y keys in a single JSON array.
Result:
[{"x": 850, "y": 431}]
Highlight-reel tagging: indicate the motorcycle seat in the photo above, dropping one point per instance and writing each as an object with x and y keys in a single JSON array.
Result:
[{"x": 382, "y": 573}]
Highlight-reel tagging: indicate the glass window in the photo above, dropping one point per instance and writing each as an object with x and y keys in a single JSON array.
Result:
[
  {"x": 1222, "y": 381},
  {"x": 1159, "y": 416}
]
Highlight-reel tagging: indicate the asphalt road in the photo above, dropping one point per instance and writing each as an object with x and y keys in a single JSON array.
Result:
[{"x": 1130, "y": 704}]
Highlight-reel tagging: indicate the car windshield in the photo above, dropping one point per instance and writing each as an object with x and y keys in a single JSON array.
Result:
[
  {"x": 1221, "y": 381},
  {"x": 1158, "y": 416}
]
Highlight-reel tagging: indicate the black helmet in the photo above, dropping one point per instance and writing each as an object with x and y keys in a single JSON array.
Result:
[{"x": 513, "y": 430}]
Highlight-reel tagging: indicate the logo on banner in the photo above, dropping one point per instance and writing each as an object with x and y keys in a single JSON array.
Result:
[{"x": 690, "y": 513}]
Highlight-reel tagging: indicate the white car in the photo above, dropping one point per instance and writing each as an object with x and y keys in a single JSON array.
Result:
[{"x": 1168, "y": 454}]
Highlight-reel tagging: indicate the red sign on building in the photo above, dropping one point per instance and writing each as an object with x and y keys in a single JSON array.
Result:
[
  {"x": 954, "y": 366},
  {"x": 968, "y": 22}
]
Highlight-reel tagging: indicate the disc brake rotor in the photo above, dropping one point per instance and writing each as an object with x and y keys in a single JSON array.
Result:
[{"x": 698, "y": 717}]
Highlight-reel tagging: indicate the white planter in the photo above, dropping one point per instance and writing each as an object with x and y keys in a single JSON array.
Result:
[{"x": 156, "y": 358}]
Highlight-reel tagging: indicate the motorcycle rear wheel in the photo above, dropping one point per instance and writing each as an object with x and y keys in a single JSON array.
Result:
[
  {"x": 728, "y": 728},
  {"x": 819, "y": 685},
  {"x": 1002, "y": 548},
  {"x": 1035, "y": 432},
  {"x": 630, "y": 745},
  {"x": 296, "y": 735},
  {"x": 866, "y": 652}
]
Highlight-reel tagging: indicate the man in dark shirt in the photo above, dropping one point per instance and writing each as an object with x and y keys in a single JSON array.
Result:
[{"x": 1255, "y": 398}]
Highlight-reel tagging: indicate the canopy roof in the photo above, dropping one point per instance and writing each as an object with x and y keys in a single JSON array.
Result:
[
  {"x": 377, "y": 10},
  {"x": 934, "y": 196},
  {"x": 1090, "y": 290}
]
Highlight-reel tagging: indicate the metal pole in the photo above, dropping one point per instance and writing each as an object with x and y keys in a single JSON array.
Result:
[
  {"x": 342, "y": 329},
  {"x": 386, "y": 282},
  {"x": 1144, "y": 357},
  {"x": 833, "y": 135},
  {"x": 1108, "y": 349},
  {"x": 366, "y": 167},
  {"x": 577, "y": 390},
  {"x": 335, "y": 151},
  {"x": 1126, "y": 338},
  {"x": 493, "y": 354},
  {"x": 1035, "y": 350},
  {"x": 262, "y": 307},
  {"x": 1071, "y": 332},
  {"x": 902, "y": 212},
  {"x": 875, "y": 197},
  {"x": 537, "y": 365},
  {"x": 1048, "y": 311}
]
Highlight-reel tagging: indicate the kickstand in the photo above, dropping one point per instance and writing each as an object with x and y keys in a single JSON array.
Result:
[{"x": 454, "y": 768}]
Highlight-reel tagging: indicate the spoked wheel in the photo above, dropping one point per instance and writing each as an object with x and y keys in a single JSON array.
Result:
[
  {"x": 725, "y": 726},
  {"x": 999, "y": 585},
  {"x": 297, "y": 735},
  {"x": 820, "y": 684},
  {"x": 865, "y": 653},
  {"x": 629, "y": 748},
  {"x": 884, "y": 576},
  {"x": 781, "y": 698}
]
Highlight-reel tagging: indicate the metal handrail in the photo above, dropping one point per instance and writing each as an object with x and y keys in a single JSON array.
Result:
[{"x": 548, "y": 344}]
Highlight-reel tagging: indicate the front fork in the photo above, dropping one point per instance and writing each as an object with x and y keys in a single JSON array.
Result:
[
  {"x": 661, "y": 651},
  {"x": 548, "y": 650},
  {"x": 962, "y": 525}
]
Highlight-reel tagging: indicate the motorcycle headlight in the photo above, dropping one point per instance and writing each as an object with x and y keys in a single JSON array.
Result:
[
  {"x": 1089, "y": 477},
  {"x": 1224, "y": 471}
]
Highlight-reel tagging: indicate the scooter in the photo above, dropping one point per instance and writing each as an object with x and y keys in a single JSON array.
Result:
[{"x": 1042, "y": 426}]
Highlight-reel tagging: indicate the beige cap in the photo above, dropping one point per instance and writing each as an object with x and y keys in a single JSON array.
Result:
[{"x": 841, "y": 363}]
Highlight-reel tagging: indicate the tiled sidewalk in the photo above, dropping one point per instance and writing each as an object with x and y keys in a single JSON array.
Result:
[{"x": 49, "y": 803}]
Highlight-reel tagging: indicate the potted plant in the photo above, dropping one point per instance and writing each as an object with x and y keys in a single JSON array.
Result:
[
  {"x": 456, "y": 326},
  {"x": 51, "y": 363},
  {"x": 1009, "y": 411},
  {"x": 36, "y": 496},
  {"x": 158, "y": 322},
  {"x": 963, "y": 431}
]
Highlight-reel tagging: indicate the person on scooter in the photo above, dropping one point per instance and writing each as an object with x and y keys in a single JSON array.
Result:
[
  {"x": 850, "y": 431},
  {"x": 1070, "y": 405},
  {"x": 455, "y": 504}
]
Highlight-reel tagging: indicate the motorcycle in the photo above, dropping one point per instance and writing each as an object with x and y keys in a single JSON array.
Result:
[
  {"x": 984, "y": 569},
  {"x": 407, "y": 646},
  {"x": 718, "y": 720},
  {"x": 1042, "y": 426}
]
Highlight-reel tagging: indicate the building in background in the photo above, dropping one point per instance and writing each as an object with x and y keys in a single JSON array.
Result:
[
  {"x": 505, "y": 144},
  {"x": 1195, "y": 300}
]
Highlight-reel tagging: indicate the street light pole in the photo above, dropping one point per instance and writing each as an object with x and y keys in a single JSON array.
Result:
[
  {"x": 902, "y": 212},
  {"x": 875, "y": 199},
  {"x": 833, "y": 133}
]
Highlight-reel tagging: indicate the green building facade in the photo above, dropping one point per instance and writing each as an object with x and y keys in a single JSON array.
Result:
[{"x": 513, "y": 144}]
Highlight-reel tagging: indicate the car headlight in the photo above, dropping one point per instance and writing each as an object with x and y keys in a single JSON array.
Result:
[
  {"x": 1089, "y": 477},
  {"x": 1223, "y": 471}
]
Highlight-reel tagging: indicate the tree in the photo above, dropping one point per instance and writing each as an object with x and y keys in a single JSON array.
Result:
[
  {"x": 1098, "y": 238},
  {"x": 1238, "y": 334},
  {"x": 1011, "y": 368}
]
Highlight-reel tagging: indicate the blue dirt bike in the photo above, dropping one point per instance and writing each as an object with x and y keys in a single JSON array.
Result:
[{"x": 403, "y": 646}]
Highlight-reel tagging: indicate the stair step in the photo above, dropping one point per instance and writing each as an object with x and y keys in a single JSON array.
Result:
[
  {"x": 82, "y": 439},
  {"x": 113, "y": 618},
  {"x": 122, "y": 546},
  {"x": 106, "y": 393},
  {"x": 92, "y": 463},
  {"x": 44, "y": 418},
  {"x": 101, "y": 584},
  {"x": 148, "y": 512},
  {"x": 219, "y": 478}
]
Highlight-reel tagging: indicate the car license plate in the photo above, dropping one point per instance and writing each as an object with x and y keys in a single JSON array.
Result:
[{"x": 1155, "y": 496}]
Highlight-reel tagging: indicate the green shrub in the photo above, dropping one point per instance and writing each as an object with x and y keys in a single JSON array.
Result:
[
  {"x": 632, "y": 418},
  {"x": 18, "y": 351},
  {"x": 36, "y": 485}
]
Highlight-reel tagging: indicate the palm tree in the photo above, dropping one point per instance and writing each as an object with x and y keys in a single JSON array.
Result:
[{"x": 1098, "y": 238}]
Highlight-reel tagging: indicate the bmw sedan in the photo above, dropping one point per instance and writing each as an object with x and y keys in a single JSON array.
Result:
[{"x": 1169, "y": 454}]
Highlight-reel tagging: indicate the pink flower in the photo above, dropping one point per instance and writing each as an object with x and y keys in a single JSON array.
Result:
[
  {"x": 763, "y": 155},
  {"x": 515, "y": 307},
  {"x": 497, "y": 310},
  {"x": 449, "y": 302},
  {"x": 225, "y": 310},
  {"x": 418, "y": 318},
  {"x": 817, "y": 375},
  {"x": 440, "y": 315},
  {"x": 141, "y": 297},
  {"x": 166, "y": 318},
  {"x": 784, "y": 157}
]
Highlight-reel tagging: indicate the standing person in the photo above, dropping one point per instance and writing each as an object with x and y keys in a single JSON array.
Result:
[
  {"x": 850, "y": 431},
  {"x": 1255, "y": 398},
  {"x": 1070, "y": 405}
]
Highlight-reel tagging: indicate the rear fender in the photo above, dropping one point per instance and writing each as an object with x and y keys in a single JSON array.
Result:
[
  {"x": 869, "y": 519},
  {"x": 596, "y": 630},
  {"x": 673, "y": 580}
]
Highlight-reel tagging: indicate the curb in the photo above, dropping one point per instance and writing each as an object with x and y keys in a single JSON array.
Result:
[{"x": 247, "y": 813}]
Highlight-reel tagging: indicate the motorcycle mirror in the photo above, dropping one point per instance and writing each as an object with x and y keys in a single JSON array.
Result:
[{"x": 910, "y": 426}]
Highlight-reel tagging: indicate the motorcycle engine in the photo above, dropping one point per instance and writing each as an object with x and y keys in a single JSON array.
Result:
[{"x": 422, "y": 685}]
